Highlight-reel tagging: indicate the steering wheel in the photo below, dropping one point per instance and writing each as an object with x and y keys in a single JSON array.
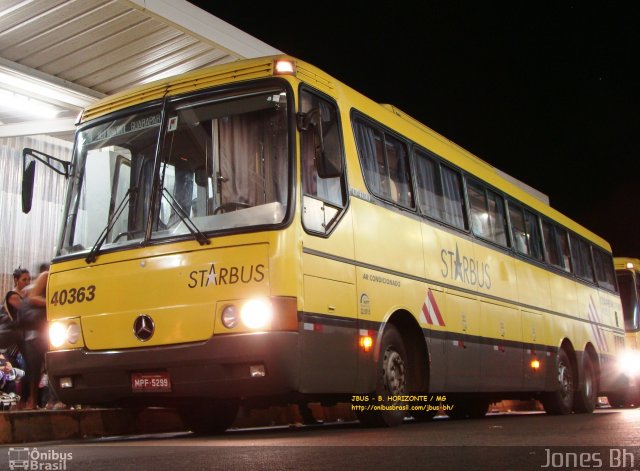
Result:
[{"x": 231, "y": 206}]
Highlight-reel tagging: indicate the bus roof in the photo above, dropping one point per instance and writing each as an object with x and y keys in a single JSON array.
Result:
[
  {"x": 628, "y": 263},
  {"x": 250, "y": 69}
]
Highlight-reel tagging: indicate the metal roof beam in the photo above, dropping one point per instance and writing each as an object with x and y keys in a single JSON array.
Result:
[
  {"x": 30, "y": 128},
  {"x": 210, "y": 29},
  {"x": 45, "y": 87}
]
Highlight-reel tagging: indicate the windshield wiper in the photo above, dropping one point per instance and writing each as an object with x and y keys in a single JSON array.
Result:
[
  {"x": 175, "y": 206},
  {"x": 93, "y": 253}
]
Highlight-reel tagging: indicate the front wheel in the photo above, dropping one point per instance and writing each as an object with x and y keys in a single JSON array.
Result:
[
  {"x": 391, "y": 383},
  {"x": 560, "y": 401}
]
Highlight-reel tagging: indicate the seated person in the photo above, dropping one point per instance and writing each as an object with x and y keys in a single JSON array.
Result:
[{"x": 9, "y": 376}]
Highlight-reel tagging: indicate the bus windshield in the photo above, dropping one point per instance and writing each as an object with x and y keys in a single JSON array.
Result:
[{"x": 223, "y": 165}]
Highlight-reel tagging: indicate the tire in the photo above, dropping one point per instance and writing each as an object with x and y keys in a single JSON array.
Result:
[
  {"x": 211, "y": 417},
  {"x": 560, "y": 401},
  {"x": 586, "y": 396},
  {"x": 392, "y": 376}
]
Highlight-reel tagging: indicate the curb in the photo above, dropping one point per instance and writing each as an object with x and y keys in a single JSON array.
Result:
[
  {"x": 46, "y": 425},
  {"x": 70, "y": 424}
]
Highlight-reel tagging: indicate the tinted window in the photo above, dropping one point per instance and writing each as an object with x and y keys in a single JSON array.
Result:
[
  {"x": 582, "y": 258},
  {"x": 487, "y": 213},
  {"x": 385, "y": 164},
  {"x": 525, "y": 231},
  {"x": 605, "y": 274},
  {"x": 439, "y": 191}
]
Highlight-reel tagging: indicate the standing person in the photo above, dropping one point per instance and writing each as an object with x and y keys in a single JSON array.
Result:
[
  {"x": 12, "y": 302},
  {"x": 13, "y": 298},
  {"x": 32, "y": 318}
]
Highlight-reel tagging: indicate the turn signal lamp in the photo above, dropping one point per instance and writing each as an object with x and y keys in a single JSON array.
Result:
[{"x": 535, "y": 364}]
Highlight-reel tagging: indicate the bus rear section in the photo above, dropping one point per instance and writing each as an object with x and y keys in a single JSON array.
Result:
[{"x": 628, "y": 378}]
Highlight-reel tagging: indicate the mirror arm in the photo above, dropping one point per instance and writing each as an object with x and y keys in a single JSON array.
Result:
[{"x": 46, "y": 159}]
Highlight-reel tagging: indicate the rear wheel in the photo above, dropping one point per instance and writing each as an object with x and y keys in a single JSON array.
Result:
[
  {"x": 210, "y": 417},
  {"x": 560, "y": 401},
  {"x": 586, "y": 397},
  {"x": 391, "y": 383}
]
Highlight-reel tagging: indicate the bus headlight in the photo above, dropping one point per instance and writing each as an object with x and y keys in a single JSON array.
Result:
[
  {"x": 64, "y": 332},
  {"x": 629, "y": 363},
  {"x": 257, "y": 313}
]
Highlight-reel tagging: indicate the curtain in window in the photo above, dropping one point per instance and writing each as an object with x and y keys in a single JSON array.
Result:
[
  {"x": 366, "y": 138},
  {"x": 452, "y": 198},
  {"x": 253, "y": 159},
  {"x": 430, "y": 199}
]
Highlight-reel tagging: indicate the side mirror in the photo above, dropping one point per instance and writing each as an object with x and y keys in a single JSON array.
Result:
[
  {"x": 61, "y": 167},
  {"x": 328, "y": 156},
  {"x": 329, "y": 159},
  {"x": 28, "y": 178}
]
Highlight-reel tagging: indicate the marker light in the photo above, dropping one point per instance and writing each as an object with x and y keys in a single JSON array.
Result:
[
  {"x": 257, "y": 313},
  {"x": 284, "y": 67},
  {"x": 366, "y": 342}
]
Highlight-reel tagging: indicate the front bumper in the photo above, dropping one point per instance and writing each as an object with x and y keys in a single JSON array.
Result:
[{"x": 218, "y": 369}]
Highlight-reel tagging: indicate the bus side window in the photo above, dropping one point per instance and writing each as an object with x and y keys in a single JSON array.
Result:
[
  {"x": 551, "y": 248},
  {"x": 439, "y": 190},
  {"x": 323, "y": 197},
  {"x": 429, "y": 188},
  {"x": 581, "y": 255},
  {"x": 385, "y": 164},
  {"x": 525, "y": 231},
  {"x": 605, "y": 273},
  {"x": 487, "y": 213},
  {"x": 565, "y": 252}
]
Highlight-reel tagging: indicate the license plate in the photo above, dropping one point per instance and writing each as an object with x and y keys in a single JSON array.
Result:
[{"x": 151, "y": 382}]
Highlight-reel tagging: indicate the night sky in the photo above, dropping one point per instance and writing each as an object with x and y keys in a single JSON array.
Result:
[{"x": 546, "y": 92}]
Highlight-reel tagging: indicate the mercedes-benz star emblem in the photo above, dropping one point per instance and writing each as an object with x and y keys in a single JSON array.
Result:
[{"x": 143, "y": 327}]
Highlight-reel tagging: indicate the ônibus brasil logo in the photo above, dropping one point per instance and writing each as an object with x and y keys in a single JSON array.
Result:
[{"x": 41, "y": 460}]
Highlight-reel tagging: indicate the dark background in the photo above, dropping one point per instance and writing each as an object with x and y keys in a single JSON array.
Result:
[{"x": 544, "y": 92}]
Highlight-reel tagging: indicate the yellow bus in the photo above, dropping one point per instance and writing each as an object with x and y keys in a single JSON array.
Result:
[
  {"x": 628, "y": 275},
  {"x": 259, "y": 233}
]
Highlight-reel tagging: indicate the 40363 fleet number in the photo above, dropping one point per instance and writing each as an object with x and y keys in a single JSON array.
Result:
[{"x": 74, "y": 295}]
